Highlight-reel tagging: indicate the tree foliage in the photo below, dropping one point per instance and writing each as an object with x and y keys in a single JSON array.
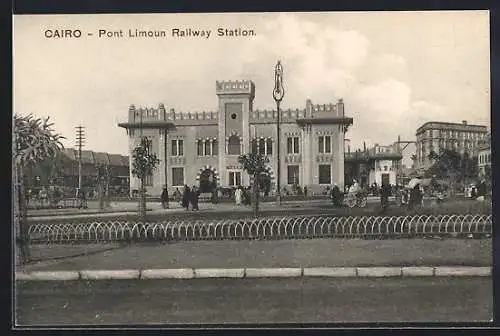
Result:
[
  {"x": 452, "y": 165},
  {"x": 35, "y": 140},
  {"x": 144, "y": 162},
  {"x": 255, "y": 165}
]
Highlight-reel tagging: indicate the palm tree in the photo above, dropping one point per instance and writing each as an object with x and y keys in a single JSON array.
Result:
[
  {"x": 254, "y": 164},
  {"x": 34, "y": 141},
  {"x": 143, "y": 165}
]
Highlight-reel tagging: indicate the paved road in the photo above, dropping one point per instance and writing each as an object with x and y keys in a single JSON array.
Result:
[
  {"x": 255, "y": 301},
  {"x": 156, "y": 209}
]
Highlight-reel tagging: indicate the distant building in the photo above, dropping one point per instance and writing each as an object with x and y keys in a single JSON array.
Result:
[
  {"x": 436, "y": 136},
  {"x": 117, "y": 165},
  {"x": 484, "y": 160},
  {"x": 379, "y": 164},
  {"x": 202, "y": 148}
]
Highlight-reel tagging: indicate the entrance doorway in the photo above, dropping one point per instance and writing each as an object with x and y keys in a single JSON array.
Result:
[
  {"x": 385, "y": 179},
  {"x": 207, "y": 181}
]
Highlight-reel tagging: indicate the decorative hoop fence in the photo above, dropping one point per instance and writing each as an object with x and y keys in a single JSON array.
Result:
[{"x": 292, "y": 227}]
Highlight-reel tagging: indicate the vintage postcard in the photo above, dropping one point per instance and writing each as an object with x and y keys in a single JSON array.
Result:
[{"x": 251, "y": 168}]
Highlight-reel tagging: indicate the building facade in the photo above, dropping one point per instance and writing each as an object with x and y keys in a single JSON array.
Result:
[
  {"x": 436, "y": 136},
  {"x": 379, "y": 164},
  {"x": 202, "y": 148},
  {"x": 484, "y": 160}
]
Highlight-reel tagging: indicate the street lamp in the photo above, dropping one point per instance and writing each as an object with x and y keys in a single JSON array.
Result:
[{"x": 278, "y": 94}]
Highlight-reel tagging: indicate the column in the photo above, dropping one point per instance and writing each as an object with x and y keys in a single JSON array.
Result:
[{"x": 341, "y": 157}]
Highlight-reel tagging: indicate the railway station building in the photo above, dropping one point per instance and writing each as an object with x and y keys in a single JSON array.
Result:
[{"x": 202, "y": 148}]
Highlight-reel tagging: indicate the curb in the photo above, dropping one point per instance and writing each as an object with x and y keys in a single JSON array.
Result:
[{"x": 240, "y": 273}]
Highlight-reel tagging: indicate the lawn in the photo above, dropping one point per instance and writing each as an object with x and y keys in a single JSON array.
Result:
[{"x": 286, "y": 253}]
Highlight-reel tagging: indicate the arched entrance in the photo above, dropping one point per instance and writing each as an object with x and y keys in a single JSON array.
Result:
[{"x": 208, "y": 179}]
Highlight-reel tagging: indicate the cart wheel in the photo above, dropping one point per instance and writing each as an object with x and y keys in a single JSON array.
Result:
[
  {"x": 362, "y": 202},
  {"x": 351, "y": 202}
]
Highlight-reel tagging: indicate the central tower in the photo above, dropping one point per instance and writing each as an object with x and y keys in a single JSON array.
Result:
[{"x": 235, "y": 104}]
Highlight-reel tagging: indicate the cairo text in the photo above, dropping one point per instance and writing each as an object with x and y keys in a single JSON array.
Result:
[{"x": 238, "y": 32}]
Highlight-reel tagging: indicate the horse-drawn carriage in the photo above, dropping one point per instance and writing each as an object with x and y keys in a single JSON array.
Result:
[
  {"x": 350, "y": 199},
  {"x": 358, "y": 199}
]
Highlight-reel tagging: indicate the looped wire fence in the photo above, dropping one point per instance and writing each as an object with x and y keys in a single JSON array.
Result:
[{"x": 288, "y": 227}]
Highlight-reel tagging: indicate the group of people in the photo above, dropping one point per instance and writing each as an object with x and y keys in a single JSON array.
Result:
[
  {"x": 476, "y": 192},
  {"x": 190, "y": 198},
  {"x": 242, "y": 196}
]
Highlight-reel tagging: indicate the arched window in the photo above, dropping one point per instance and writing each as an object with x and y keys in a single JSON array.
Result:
[{"x": 233, "y": 145}]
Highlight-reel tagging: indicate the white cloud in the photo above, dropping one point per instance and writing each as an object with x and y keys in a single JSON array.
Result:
[{"x": 382, "y": 76}]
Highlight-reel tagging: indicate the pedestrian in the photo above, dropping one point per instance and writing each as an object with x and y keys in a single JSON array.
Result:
[
  {"x": 305, "y": 191},
  {"x": 185, "y": 197},
  {"x": 195, "y": 196},
  {"x": 335, "y": 195},
  {"x": 82, "y": 199},
  {"x": 164, "y": 197},
  {"x": 177, "y": 195},
  {"x": 215, "y": 194},
  {"x": 385, "y": 192},
  {"x": 238, "y": 195},
  {"x": 415, "y": 197},
  {"x": 481, "y": 191},
  {"x": 56, "y": 197}
]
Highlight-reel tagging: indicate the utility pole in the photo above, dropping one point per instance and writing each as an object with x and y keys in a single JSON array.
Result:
[
  {"x": 80, "y": 143},
  {"x": 278, "y": 94}
]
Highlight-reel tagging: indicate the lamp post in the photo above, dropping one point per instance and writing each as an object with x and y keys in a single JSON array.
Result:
[{"x": 278, "y": 94}]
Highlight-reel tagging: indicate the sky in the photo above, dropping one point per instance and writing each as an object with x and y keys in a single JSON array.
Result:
[{"x": 394, "y": 70}]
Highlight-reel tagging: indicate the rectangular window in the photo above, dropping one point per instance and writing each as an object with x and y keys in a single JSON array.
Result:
[
  {"x": 324, "y": 144},
  {"x": 262, "y": 147},
  {"x": 234, "y": 179},
  {"x": 200, "y": 147},
  {"x": 207, "y": 147},
  {"x": 255, "y": 146},
  {"x": 180, "y": 145},
  {"x": 215, "y": 148},
  {"x": 325, "y": 174},
  {"x": 293, "y": 174},
  {"x": 328, "y": 144},
  {"x": 269, "y": 146},
  {"x": 292, "y": 145},
  {"x": 177, "y": 177},
  {"x": 289, "y": 145},
  {"x": 177, "y": 148},
  {"x": 174, "y": 148}
]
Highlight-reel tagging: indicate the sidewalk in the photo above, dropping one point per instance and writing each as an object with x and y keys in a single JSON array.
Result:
[
  {"x": 156, "y": 209},
  {"x": 279, "y": 254},
  {"x": 126, "y": 208}
]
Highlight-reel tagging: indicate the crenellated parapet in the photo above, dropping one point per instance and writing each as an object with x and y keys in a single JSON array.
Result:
[
  {"x": 152, "y": 114},
  {"x": 192, "y": 115},
  {"x": 270, "y": 115},
  {"x": 235, "y": 87},
  {"x": 146, "y": 114},
  {"x": 321, "y": 111}
]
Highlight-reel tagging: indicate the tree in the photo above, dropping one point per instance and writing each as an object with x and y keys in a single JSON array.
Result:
[
  {"x": 103, "y": 177},
  {"x": 144, "y": 164},
  {"x": 453, "y": 166},
  {"x": 255, "y": 165},
  {"x": 34, "y": 141}
]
